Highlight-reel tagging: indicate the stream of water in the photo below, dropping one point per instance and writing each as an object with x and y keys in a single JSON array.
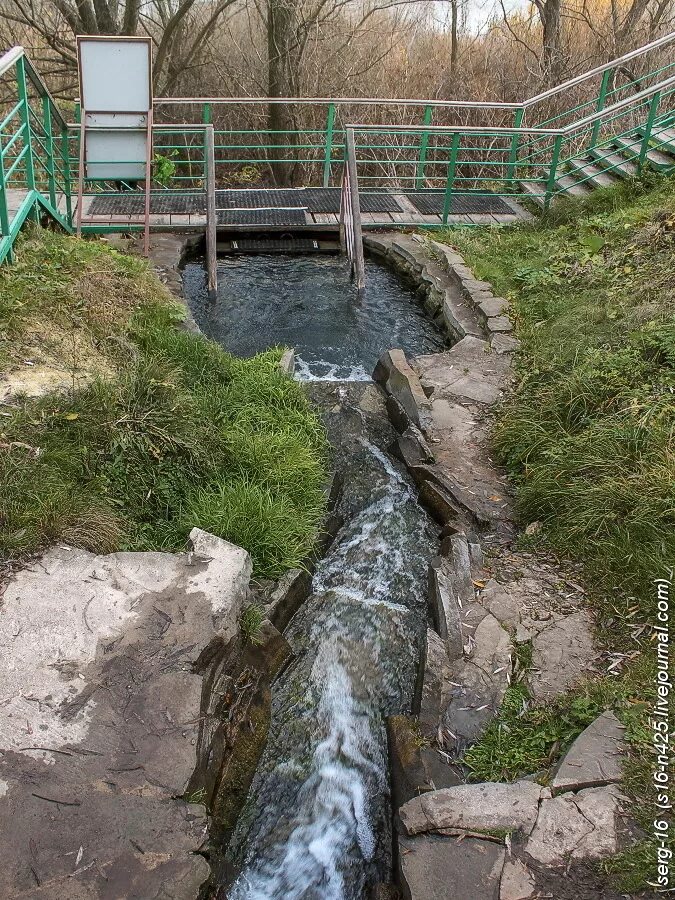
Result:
[{"x": 316, "y": 825}]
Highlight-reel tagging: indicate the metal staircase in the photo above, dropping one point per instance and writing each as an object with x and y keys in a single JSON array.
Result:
[{"x": 619, "y": 158}]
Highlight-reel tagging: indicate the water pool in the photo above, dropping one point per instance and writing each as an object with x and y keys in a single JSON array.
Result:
[{"x": 310, "y": 303}]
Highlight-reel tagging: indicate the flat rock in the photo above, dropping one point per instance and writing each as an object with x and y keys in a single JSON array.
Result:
[
  {"x": 594, "y": 759},
  {"x": 467, "y": 372},
  {"x": 499, "y": 324},
  {"x": 101, "y": 716},
  {"x": 517, "y": 882},
  {"x": 480, "y": 682},
  {"x": 581, "y": 826},
  {"x": 501, "y": 603},
  {"x": 504, "y": 343},
  {"x": 489, "y": 806},
  {"x": 492, "y": 307},
  {"x": 562, "y": 654},
  {"x": 432, "y": 867}
]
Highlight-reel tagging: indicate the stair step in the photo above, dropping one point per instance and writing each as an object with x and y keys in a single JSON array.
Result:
[
  {"x": 610, "y": 158},
  {"x": 657, "y": 159},
  {"x": 534, "y": 192},
  {"x": 662, "y": 135},
  {"x": 570, "y": 185},
  {"x": 593, "y": 175}
]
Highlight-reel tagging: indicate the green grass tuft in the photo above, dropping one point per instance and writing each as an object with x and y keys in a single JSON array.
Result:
[{"x": 178, "y": 434}]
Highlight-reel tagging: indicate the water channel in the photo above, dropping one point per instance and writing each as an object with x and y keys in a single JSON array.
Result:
[{"x": 316, "y": 824}]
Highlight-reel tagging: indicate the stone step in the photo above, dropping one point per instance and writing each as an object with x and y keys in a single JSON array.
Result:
[
  {"x": 658, "y": 160},
  {"x": 585, "y": 168},
  {"x": 610, "y": 158},
  {"x": 662, "y": 135},
  {"x": 569, "y": 184},
  {"x": 534, "y": 192}
]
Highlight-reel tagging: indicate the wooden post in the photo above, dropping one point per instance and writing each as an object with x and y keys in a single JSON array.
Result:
[
  {"x": 148, "y": 185},
  {"x": 359, "y": 264},
  {"x": 210, "y": 187}
]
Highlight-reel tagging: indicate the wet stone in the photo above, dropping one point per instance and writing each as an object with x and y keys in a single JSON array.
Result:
[
  {"x": 433, "y": 686},
  {"x": 412, "y": 448},
  {"x": 398, "y": 379}
]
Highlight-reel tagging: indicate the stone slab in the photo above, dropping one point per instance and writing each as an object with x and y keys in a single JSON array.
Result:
[
  {"x": 594, "y": 759},
  {"x": 432, "y": 867},
  {"x": 518, "y": 882},
  {"x": 581, "y": 826},
  {"x": 490, "y": 806},
  {"x": 399, "y": 380},
  {"x": 100, "y": 717},
  {"x": 562, "y": 654}
]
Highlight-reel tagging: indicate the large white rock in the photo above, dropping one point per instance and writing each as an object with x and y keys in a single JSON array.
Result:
[{"x": 100, "y": 711}]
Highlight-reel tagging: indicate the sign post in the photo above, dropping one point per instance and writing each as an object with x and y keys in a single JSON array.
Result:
[{"x": 116, "y": 116}]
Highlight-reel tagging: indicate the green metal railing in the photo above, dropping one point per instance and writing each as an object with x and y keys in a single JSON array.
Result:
[
  {"x": 34, "y": 152},
  {"x": 457, "y": 148}
]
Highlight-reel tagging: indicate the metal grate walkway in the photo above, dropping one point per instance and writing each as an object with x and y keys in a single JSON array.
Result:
[{"x": 299, "y": 208}]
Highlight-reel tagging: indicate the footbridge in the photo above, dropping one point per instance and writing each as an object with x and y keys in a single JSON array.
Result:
[{"x": 339, "y": 165}]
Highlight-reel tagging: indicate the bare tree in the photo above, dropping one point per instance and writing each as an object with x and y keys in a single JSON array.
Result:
[{"x": 178, "y": 29}]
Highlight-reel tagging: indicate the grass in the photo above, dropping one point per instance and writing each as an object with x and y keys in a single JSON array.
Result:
[
  {"x": 168, "y": 433},
  {"x": 588, "y": 438}
]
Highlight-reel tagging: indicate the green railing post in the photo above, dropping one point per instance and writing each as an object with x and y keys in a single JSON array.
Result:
[
  {"x": 49, "y": 140},
  {"x": 450, "y": 181},
  {"x": 22, "y": 85},
  {"x": 4, "y": 209},
  {"x": 424, "y": 147},
  {"x": 67, "y": 186},
  {"x": 552, "y": 172},
  {"x": 649, "y": 125},
  {"x": 513, "y": 155},
  {"x": 600, "y": 105},
  {"x": 330, "y": 126},
  {"x": 206, "y": 114}
]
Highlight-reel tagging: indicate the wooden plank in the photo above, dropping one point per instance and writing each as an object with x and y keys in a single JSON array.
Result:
[
  {"x": 359, "y": 262},
  {"x": 211, "y": 222},
  {"x": 482, "y": 219}
]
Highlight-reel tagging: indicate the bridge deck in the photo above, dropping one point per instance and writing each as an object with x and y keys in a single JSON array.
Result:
[{"x": 300, "y": 208}]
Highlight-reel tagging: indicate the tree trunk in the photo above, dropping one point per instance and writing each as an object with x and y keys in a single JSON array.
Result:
[
  {"x": 549, "y": 12},
  {"x": 280, "y": 37},
  {"x": 454, "y": 49}
]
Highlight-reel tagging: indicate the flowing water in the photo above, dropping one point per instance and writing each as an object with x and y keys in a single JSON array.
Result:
[
  {"x": 309, "y": 302},
  {"x": 316, "y": 825}
]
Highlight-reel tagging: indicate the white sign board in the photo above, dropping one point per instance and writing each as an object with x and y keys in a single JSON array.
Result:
[{"x": 116, "y": 101}]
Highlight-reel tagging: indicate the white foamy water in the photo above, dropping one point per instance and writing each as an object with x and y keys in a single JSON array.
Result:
[
  {"x": 320, "y": 370},
  {"x": 316, "y": 825}
]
